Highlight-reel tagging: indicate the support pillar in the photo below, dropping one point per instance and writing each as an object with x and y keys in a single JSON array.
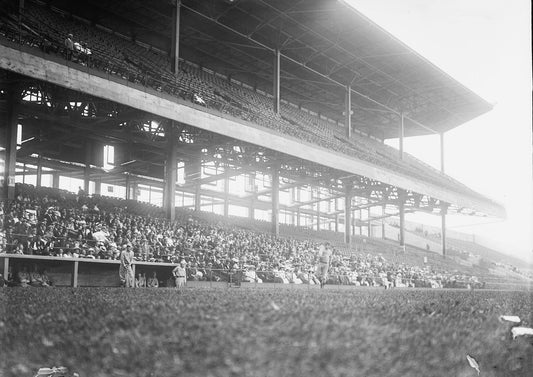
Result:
[
  {"x": 276, "y": 81},
  {"x": 134, "y": 188},
  {"x": 444, "y": 206},
  {"x": 443, "y": 212},
  {"x": 442, "y": 152},
  {"x": 39, "y": 176},
  {"x": 336, "y": 223},
  {"x": 318, "y": 213},
  {"x": 226, "y": 196},
  {"x": 193, "y": 175},
  {"x": 347, "y": 214},
  {"x": 55, "y": 180},
  {"x": 348, "y": 112},
  {"x": 401, "y": 206},
  {"x": 360, "y": 222},
  {"x": 171, "y": 171},
  {"x": 275, "y": 200},
  {"x": 383, "y": 221},
  {"x": 98, "y": 186},
  {"x": 11, "y": 129},
  {"x": 353, "y": 222},
  {"x": 198, "y": 197},
  {"x": 175, "y": 48},
  {"x": 251, "y": 209},
  {"x": 128, "y": 185},
  {"x": 298, "y": 217},
  {"x": 400, "y": 136},
  {"x": 87, "y": 169}
]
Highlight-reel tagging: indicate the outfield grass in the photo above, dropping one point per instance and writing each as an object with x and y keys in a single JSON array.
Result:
[{"x": 263, "y": 332}]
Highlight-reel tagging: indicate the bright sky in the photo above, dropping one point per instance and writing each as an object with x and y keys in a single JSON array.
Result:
[{"x": 486, "y": 45}]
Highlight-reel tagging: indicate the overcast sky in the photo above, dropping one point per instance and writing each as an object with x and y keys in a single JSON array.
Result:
[{"x": 486, "y": 45}]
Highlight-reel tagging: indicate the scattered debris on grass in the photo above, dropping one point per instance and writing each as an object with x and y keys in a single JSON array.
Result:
[
  {"x": 510, "y": 318},
  {"x": 473, "y": 363},
  {"x": 521, "y": 331}
]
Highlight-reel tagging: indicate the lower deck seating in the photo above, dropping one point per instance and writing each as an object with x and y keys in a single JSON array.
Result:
[{"x": 50, "y": 222}]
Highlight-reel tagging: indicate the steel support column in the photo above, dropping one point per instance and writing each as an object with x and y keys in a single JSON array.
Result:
[
  {"x": 39, "y": 176},
  {"x": 10, "y": 125},
  {"x": 401, "y": 207},
  {"x": 171, "y": 170},
  {"x": 383, "y": 221},
  {"x": 443, "y": 212},
  {"x": 98, "y": 186},
  {"x": 226, "y": 196},
  {"x": 134, "y": 188},
  {"x": 348, "y": 112},
  {"x": 442, "y": 152},
  {"x": 400, "y": 136},
  {"x": 251, "y": 209},
  {"x": 87, "y": 169},
  {"x": 347, "y": 213},
  {"x": 175, "y": 48},
  {"x": 55, "y": 180},
  {"x": 275, "y": 200},
  {"x": 276, "y": 81},
  {"x": 198, "y": 197},
  {"x": 318, "y": 212},
  {"x": 360, "y": 222},
  {"x": 128, "y": 185},
  {"x": 369, "y": 227}
]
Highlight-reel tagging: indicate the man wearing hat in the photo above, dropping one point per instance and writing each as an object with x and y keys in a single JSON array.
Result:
[
  {"x": 126, "y": 267},
  {"x": 324, "y": 260},
  {"x": 69, "y": 49},
  {"x": 180, "y": 274}
]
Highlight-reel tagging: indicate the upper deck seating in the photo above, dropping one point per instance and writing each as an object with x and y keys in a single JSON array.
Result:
[{"x": 119, "y": 55}]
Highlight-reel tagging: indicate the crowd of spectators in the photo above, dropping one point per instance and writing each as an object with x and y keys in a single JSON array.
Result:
[{"x": 50, "y": 222}]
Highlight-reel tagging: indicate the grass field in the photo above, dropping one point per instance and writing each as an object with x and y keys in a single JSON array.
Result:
[{"x": 263, "y": 332}]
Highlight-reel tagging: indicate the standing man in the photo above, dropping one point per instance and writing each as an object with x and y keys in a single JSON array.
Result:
[
  {"x": 180, "y": 274},
  {"x": 69, "y": 48},
  {"x": 324, "y": 259},
  {"x": 126, "y": 267}
]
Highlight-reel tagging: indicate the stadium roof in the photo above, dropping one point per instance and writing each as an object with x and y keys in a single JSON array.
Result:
[{"x": 325, "y": 45}]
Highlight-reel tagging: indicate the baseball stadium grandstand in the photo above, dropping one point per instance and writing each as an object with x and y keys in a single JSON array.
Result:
[
  {"x": 227, "y": 143},
  {"x": 267, "y": 110}
]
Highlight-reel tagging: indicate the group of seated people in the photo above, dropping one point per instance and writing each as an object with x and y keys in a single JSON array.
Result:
[
  {"x": 51, "y": 222},
  {"x": 27, "y": 275},
  {"x": 149, "y": 67}
]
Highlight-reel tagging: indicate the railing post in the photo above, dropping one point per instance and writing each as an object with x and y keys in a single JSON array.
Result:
[
  {"x": 6, "y": 268},
  {"x": 74, "y": 276}
]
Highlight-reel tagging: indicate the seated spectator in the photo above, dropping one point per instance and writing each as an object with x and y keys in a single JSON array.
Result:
[
  {"x": 140, "y": 281},
  {"x": 153, "y": 282},
  {"x": 46, "y": 45},
  {"x": 23, "y": 277}
]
